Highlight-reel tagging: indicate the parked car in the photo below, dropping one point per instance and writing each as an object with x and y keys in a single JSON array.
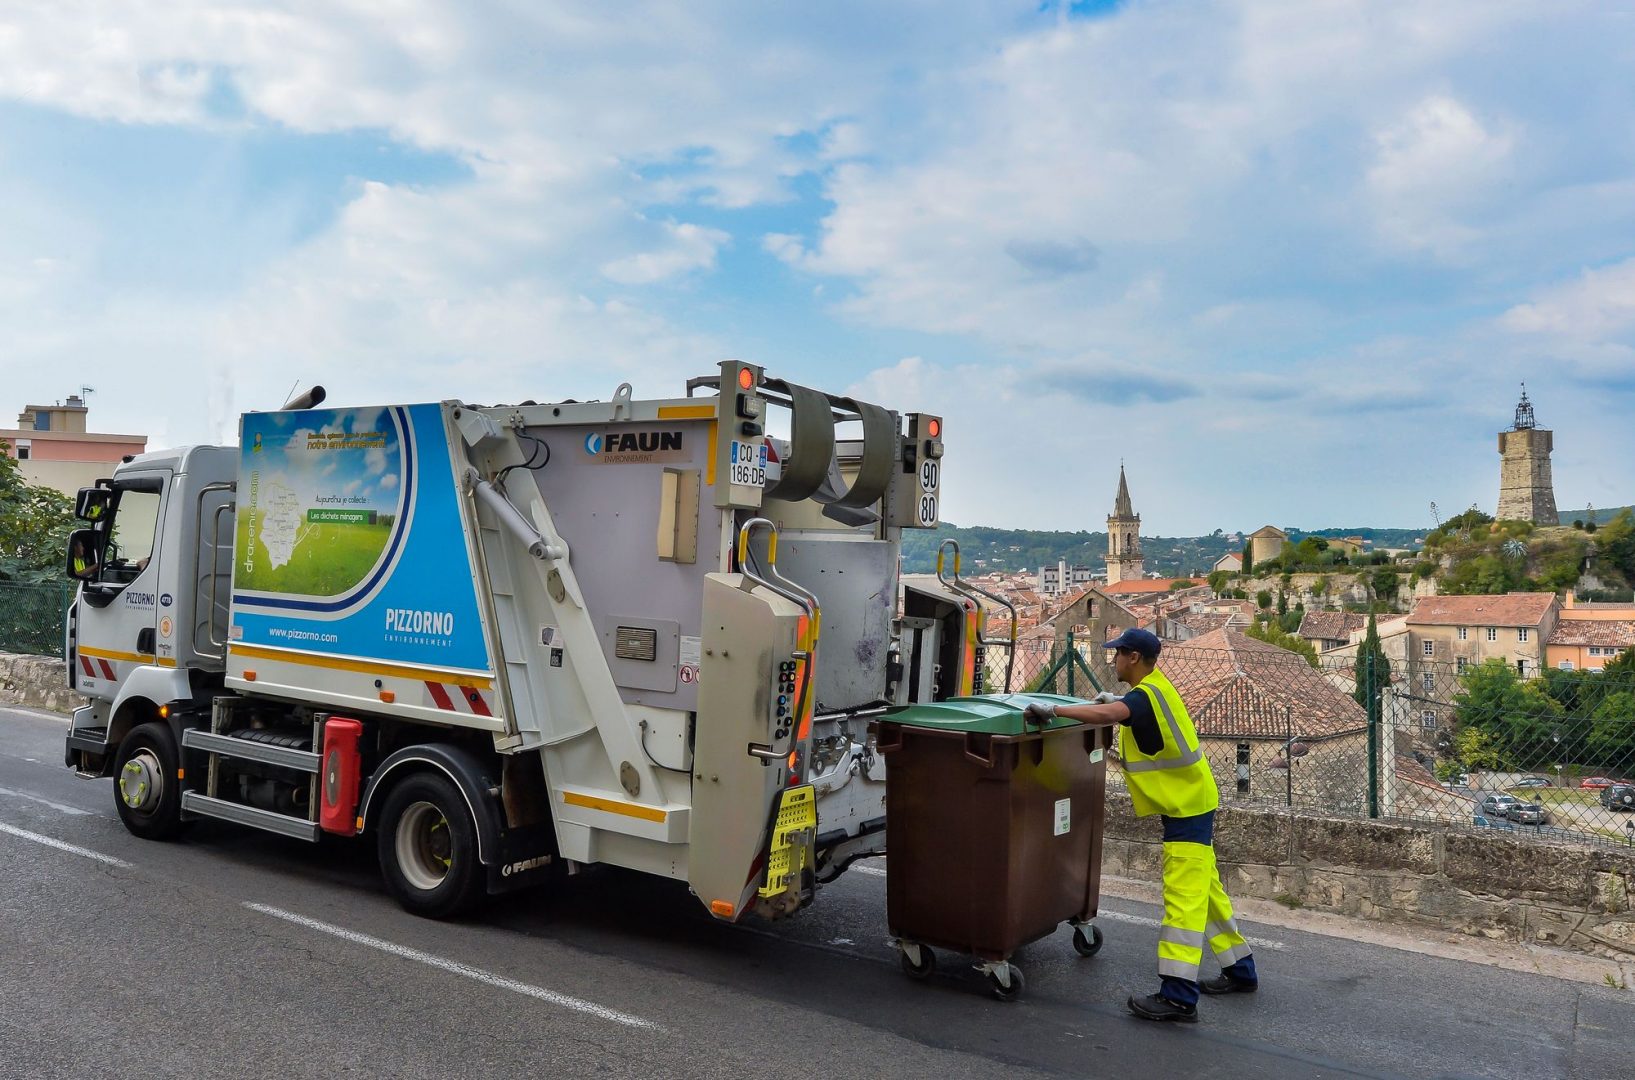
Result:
[
  {"x": 1526, "y": 813},
  {"x": 1491, "y": 823},
  {"x": 1532, "y": 781},
  {"x": 1618, "y": 797},
  {"x": 1496, "y": 806},
  {"x": 1596, "y": 782}
]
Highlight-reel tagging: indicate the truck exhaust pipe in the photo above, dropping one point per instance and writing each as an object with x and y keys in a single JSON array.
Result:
[{"x": 309, "y": 400}]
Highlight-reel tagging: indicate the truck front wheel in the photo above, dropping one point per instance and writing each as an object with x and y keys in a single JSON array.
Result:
[
  {"x": 427, "y": 844},
  {"x": 146, "y": 789}
]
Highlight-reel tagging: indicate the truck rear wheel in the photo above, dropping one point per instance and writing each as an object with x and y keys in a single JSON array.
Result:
[
  {"x": 146, "y": 788},
  {"x": 427, "y": 845}
]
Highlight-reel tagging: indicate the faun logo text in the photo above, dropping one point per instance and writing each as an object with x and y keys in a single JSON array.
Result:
[{"x": 634, "y": 447}]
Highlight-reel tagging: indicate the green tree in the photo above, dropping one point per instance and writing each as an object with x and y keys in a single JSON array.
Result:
[
  {"x": 1218, "y": 580},
  {"x": 1615, "y": 545},
  {"x": 1612, "y": 732},
  {"x": 1319, "y": 588},
  {"x": 1371, "y": 650},
  {"x": 34, "y": 526},
  {"x": 1474, "y": 748},
  {"x": 1385, "y": 582},
  {"x": 1263, "y": 599},
  {"x": 1519, "y": 715},
  {"x": 1271, "y": 635}
]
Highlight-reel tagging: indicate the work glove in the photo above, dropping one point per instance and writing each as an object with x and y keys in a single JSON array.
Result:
[
  {"x": 1038, "y": 713},
  {"x": 1107, "y": 697}
]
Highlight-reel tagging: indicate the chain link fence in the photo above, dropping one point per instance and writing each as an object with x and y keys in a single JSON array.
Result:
[
  {"x": 1481, "y": 747},
  {"x": 32, "y": 617}
]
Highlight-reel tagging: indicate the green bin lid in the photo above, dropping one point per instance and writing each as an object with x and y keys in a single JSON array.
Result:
[{"x": 988, "y": 714}]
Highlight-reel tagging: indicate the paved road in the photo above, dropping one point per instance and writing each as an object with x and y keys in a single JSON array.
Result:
[{"x": 236, "y": 954}]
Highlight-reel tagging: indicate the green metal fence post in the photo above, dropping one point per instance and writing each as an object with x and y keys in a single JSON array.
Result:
[
  {"x": 1071, "y": 651},
  {"x": 1371, "y": 691}
]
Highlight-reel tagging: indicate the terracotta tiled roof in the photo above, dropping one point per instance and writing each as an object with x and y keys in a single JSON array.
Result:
[
  {"x": 1330, "y": 625},
  {"x": 1146, "y": 585},
  {"x": 1593, "y": 632},
  {"x": 1511, "y": 609},
  {"x": 1202, "y": 622},
  {"x": 1237, "y": 687}
]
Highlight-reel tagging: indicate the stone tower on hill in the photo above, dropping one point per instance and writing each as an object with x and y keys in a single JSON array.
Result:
[
  {"x": 1526, "y": 491},
  {"x": 1123, "y": 537}
]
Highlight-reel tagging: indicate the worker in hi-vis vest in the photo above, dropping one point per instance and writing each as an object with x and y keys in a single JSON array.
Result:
[{"x": 1168, "y": 775}]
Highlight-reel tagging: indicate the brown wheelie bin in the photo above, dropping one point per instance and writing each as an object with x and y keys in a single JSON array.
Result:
[{"x": 993, "y": 830}]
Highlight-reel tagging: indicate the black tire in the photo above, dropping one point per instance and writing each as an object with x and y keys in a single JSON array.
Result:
[
  {"x": 427, "y": 844},
  {"x": 1087, "y": 946},
  {"x": 147, "y": 792},
  {"x": 928, "y": 964},
  {"x": 1003, "y": 992}
]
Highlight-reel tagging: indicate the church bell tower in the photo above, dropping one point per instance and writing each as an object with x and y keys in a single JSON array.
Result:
[{"x": 1123, "y": 537}]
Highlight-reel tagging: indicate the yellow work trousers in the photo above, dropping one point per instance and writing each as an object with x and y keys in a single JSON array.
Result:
[{"x": 1197, "y": 912}]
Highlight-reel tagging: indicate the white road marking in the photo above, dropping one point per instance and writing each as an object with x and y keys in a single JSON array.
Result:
[
  {"x": 453, "y": 967},
  {"x": 875, "y": 871},
  {"x": 1145, "y": 920},
  {"x": 24, "y": 834},
  {"x": 46, "y": 802}
]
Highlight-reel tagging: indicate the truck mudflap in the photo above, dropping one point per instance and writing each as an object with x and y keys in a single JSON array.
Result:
[{"x": 514, "y": 858}]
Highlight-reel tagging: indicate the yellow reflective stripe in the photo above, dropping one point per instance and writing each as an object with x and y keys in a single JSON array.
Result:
[
  {"x": 127, "y": 657},
  {"x": 366, "y": 667},
  {"x": 686, "y": 412},
  {"x": 614, "y": 806}
]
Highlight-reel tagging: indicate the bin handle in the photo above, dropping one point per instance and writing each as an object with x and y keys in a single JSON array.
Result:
[
  {"x": 896, "y": 735},
  {"x": 986, "y": 761}
]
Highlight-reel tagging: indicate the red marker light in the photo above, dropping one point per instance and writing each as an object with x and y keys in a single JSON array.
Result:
[
  {"x": 746, "y": 378},
  {"x": 933, "y": 428}
]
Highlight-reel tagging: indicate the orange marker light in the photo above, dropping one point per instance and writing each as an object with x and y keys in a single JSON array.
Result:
[
  {"x": 388, "y": 696},
  {"x": 722, "y": 908},
  {"x": 934, "y": 428},
  {"x": 249, "y": 676},
  {"x": 164, "y": 712},
  {"x": 746, "y": 378}
]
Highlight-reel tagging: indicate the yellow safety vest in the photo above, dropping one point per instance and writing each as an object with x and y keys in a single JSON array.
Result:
[{"x": 1176, "y": 781}]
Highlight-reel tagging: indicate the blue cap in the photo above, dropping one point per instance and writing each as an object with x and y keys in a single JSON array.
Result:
[{"x": 1138, "y": 640}]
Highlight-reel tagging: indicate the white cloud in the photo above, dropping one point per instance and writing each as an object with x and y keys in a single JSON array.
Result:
[
  {"x": 1434, "y": 162},
  {"x": 1597, "y": 306},
  {"x": 686, "y": 247}
]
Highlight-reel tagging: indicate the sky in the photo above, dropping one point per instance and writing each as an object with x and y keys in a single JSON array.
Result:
[{"x": 1288, "y": 260}]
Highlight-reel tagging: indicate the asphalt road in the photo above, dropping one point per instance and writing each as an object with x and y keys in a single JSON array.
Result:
[{"x": 232, "y": 953}]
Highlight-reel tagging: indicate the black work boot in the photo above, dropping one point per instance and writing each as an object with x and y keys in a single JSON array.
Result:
[
  {"x": 1225, "y": 984},
  {"x": 1158, "y": 1007}
]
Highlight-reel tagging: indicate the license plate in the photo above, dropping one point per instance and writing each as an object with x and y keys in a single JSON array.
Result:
[{"x": 748, "y": 465}]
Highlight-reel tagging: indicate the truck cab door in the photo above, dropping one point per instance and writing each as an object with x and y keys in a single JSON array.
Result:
[{"x": 119, "y": 606}]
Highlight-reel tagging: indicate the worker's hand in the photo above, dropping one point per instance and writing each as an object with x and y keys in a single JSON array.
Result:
[
  {"x": 1039, "y": 713},
  {"x": 1107, "y": 697}
]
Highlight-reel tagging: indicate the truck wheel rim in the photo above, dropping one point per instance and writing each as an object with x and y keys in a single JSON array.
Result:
[
  {"x": 141, "y": 782},
  {"x": 424, "y": 846}
]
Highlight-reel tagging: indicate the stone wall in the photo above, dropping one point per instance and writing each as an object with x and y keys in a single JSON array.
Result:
[
  {"x": 38, "y": 682},
  {"x": 1490, "y": 886}
]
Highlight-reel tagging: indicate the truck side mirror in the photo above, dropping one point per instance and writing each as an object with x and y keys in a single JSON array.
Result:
[
  {"x": 91, "y": 504},
  {"x": 84, "y": 554}
]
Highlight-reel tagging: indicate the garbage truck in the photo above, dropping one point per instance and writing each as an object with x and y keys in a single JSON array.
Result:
[{"x": 511, "y": 642}]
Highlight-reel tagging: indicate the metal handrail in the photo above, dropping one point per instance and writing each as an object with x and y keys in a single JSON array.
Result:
[
  {"x": 972, "y": 592},
  {"x": 215, "y": 554},
  {"x": 748, "y": 564}
]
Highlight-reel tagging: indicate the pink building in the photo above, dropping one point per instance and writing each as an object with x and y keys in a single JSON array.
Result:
[{"x": 54, "y": 450}]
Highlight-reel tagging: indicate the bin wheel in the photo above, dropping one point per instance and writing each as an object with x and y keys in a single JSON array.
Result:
[
  {"x": 921, "y": 971},
  {"x": 1003, "y": 992},
  {"x": 1087, "y": 946}
]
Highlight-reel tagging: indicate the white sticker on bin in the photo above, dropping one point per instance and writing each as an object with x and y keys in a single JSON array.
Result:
[
  {"x": 1096, "y": 755},
  {"x": 1064, "y": 815}
]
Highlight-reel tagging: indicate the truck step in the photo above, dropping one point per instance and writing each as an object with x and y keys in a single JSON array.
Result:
[
  {"x": 253, "y": 749},
  {"x": 91, "y": 739},
  {"x": 198, "y": 805}
]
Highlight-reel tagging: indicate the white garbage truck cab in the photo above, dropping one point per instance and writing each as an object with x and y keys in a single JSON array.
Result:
[{"x": 510, "y": 642}]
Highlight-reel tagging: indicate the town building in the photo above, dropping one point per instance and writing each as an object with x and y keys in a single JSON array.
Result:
[
  {"x": 1231, "y": 562},
  {"x": 1526, "y": 489},
  {"x": 1449, "y": 634},
  {"x": 1587, "y": 636},
  {"x": 54, "y": 449},
  {"x": 1330, "y": 629},
  {"x": 1123, "y": 537},
  {"x": 1061, "y": 579},
  {"x": 1265, "y": 543}
]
